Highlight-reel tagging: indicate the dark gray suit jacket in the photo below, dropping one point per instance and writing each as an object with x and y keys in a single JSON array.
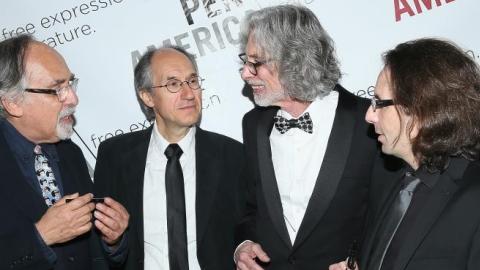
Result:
[
  {"x": 21, "y": 206},
  {"x": 120, "y": 171},
  {"x": 446, "y": 234}
]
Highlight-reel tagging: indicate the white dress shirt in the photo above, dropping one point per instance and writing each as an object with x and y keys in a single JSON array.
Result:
[
  {"x": 155, "y": 202},
  {"x": 297, "y": 157}
]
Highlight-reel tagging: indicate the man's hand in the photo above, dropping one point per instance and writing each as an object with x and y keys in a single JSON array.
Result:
[
  {"x": 111, "y": 220},
  {"x": 246, "y": 254},
  {"x": 64, "y": 221}
]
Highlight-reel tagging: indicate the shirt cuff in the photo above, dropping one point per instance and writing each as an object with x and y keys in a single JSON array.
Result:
[
  {"x": 235, "y": 252},
  {"x": 117, "y": 251}
]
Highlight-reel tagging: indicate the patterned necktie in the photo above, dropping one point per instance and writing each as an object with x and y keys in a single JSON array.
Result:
[
  {"x": 46, "y": 179},
  {"x": 391, "y": 223},
  {"x": 304, "y": 123},
  {"x": 176, "y": 215}
]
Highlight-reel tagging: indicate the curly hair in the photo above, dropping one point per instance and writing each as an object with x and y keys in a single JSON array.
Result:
[
  {"x": 438, "y": 84},
  {"x": 300, "y": 48}
]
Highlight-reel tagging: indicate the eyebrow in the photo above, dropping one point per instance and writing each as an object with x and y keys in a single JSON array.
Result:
[
  {"x": 193, "y": 74},
  {"x": 62, "y": 81}
]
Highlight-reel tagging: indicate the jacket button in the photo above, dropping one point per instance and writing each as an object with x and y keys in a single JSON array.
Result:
[
  {"x": 291, "y": 260},
  {"x": 71, "y": 258}
]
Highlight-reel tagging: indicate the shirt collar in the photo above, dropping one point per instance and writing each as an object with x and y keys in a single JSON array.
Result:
[
  {"x": 427, "y": 178},
  {"x": 21, "y": 146},
  {"x": 186, "y": 143},
  {"x": 315, "y": 109}
]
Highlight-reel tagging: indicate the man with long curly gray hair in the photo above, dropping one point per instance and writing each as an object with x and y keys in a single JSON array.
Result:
[{"x": 308, "y": 152}]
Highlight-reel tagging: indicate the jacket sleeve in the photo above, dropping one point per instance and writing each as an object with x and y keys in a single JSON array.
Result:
[
  {"x": 103, "y": 179},
  {"x": 20, "y": 247},
  {"x": 246, "y": 228}
]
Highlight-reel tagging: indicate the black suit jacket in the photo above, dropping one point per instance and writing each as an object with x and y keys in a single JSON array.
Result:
[
  {"x": 446, "y": 233},
  {"x": 120, "y": 171},
  {"x": 21, "y": 207},
  {"x": 335, "y": 214}
]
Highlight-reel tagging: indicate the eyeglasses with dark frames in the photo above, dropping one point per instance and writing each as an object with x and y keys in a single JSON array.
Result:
[
  {"x": 380, "y": 103},
  {"x": 252, "y": 67},
  {"x": 174, "y": 85},
  {"x": 61, "y": 93}
]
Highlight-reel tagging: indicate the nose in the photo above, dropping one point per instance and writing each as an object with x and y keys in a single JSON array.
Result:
[
  {"x": 371, "y": 116},
  {"x": 72, "y": 98},
  {"x": 245, "y": 73},
  {"x": 186, "y": 92}
]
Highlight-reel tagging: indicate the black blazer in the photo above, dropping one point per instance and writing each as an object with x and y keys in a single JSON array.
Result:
[
  {"x": 120, "y": 171},
  {"x": 335, "y": 214},
  {"x": 446, "y": 234},
  {"x": 21, "y": 206}
]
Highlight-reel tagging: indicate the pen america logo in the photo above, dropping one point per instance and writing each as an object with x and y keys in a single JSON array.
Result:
[
  {"x": 406, "y": 6},
  {"x": 211, "y": 8}
]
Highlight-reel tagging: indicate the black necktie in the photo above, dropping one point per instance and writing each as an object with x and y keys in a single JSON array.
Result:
[
  {"x": 304, "y": 123},
  {"x": 176, "y": 217},
  {"x": 392, "y": 221}
]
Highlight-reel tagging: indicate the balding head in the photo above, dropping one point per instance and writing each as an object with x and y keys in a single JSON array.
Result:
[{"x": 36, "y": 90}]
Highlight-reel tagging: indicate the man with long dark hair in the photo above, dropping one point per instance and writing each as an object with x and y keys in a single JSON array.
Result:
[{"x": 426, "y": 112}]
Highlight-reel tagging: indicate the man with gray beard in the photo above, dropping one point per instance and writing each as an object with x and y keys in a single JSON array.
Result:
[
  {"x": 45, "y": 187},
  {"x": 309, "y": 156}
]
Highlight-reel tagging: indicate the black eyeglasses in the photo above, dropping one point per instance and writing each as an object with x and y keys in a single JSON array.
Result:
[
  {"x": 252, "y": 67},
  {"x": 380, "y": 103},
  {"x": 61, "y": 93},
  {"x": 174, "y": 85}
]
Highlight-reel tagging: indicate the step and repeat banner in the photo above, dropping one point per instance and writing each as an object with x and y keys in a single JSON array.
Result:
[{"x": 102, "y": 41}]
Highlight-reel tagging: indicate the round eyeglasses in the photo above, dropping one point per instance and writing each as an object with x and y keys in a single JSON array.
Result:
[
  {"x": 252, "y": 67},
  {"x": 174, "y": 85},
  {"x": 61, "y": 93}
]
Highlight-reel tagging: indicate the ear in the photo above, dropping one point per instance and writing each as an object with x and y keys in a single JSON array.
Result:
[
  {"x": 411, "y": 126},
  {"x": 12, "y": 107},
  {"x": 146, "y": 97}
]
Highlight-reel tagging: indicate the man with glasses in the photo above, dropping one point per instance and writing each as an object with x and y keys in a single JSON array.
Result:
[
  {"x": 179, "y": 182},
  {"x": 309, "y": 156},
  {"x": 428, "y": 116},
  {"x": 41, "y": 168}
]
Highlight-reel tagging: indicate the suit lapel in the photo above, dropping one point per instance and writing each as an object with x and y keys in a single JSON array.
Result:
[
  {"x": 385, "y": 201},
  {"x": 71, "y": 171},
  {"x": 333, "y": 165},
  {"x": 16, "y": 187},
  {"x": 136, "y": 159},
  {"x": 267, "y": 175},
  {"x": 431, "y": 211},
  {"x": 207, "y": 179}
]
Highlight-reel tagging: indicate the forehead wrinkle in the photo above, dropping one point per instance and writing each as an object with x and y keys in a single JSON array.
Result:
[
  {"x": 45, "y": 66},
  {"x": 193, "y": 74}
]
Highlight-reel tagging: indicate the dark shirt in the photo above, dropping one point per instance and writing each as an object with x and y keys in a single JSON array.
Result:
[{"x": 420, "y": 196}]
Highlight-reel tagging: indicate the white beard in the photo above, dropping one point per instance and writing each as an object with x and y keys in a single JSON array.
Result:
[
  {"x": 65, "y": 130},
  {"x": 268, "y": 99}
]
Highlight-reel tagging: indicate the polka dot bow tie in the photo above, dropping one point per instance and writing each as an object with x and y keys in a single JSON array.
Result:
[{"x": 304, "y": 123}]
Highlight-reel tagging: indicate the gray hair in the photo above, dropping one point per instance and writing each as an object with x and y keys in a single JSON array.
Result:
[
  {"x": 143, "y": 75},
  {"x": 301, "y": 49},
  {"x": 12, "y": 77}
]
